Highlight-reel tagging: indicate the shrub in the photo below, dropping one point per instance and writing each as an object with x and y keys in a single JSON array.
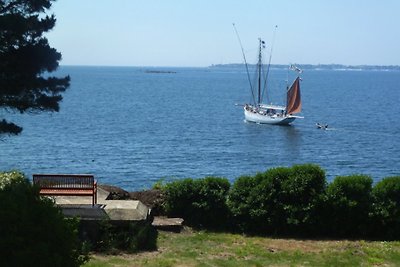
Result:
[
  {"x": 255, "y": 201},
  {"x": 348, "y": 206},
  {"x": 279, "y": 201},
  {"x": 386, "y": 208},
  {"x": 252, "y": 201},
  {"x": 242, "y": 202},
  {"x": 7, "y": 178},
  {"x": 33, "y": 231},
  {"x": 301, "y": 196},
  {"x": 201, "y": 202}
]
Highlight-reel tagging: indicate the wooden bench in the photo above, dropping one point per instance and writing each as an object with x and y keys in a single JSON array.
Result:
[{"x": 67, "y": 185}]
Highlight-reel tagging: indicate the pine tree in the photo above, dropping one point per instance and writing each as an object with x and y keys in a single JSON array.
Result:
[{"x": 26, "y": 59}]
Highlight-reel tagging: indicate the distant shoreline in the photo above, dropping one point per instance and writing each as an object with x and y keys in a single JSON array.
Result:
[
  {"x": 166, "y": 69},
  {"x": 318, "y": 66}
]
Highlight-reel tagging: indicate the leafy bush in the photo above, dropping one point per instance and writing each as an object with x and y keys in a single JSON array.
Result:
[
  {"x": 7, "y": 178},
  {"x": 279, "y": 201},
  {"x": 348, "y": 206},
  {"x": 301, "y": 195},
  {"x": 33, "y": 232},
  {"x": 252, "y": 201},
  {"x": 242, "y": 200},
  {"x": 386, "y": 208},
  {"x": 201, "y": 202},
  {"x": 291, "y": 201}
]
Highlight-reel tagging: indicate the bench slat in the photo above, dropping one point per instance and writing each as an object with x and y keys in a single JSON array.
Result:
[
  {"x": 67, "y": 184},
  {"x": 66, "y": 192}
]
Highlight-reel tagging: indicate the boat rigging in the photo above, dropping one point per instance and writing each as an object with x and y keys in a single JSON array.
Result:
[{"x": 259, "y": 112}]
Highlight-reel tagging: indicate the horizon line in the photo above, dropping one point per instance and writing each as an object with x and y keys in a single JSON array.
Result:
[{"x": 222, "y": 64}]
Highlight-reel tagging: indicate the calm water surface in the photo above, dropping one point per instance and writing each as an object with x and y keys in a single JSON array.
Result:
[{"x": 132, "y": 128}]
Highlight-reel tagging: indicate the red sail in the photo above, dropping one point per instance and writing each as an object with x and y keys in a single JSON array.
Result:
[{"x": 294, "y": 98}]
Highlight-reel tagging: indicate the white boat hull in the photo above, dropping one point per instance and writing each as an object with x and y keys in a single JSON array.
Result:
[{"x": 276, "y": 119}]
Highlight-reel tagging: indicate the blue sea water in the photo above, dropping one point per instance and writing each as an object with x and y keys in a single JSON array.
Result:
[{"x": 131, "y": 128}]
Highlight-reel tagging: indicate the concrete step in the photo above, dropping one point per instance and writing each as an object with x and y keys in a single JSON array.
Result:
[{"x": 168, "y": 224}]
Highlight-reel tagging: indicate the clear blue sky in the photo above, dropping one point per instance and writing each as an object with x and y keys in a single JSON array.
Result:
[{"x": 200, "y": 33}]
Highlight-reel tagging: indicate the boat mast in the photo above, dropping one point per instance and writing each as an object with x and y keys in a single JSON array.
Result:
[{"x": 259, "y": 71}]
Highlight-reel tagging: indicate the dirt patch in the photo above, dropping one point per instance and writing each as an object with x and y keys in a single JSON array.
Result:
[{"x": 307, "y": 246}]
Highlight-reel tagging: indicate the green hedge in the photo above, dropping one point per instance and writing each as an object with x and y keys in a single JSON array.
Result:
[
  {"x": 386, "y": 209},
  {"x": 279, "y": 201},
  {"x": 348, "y": 206},
  {"x": 201, "y": 202},
  {"x": 249, "y": 204},
  {"x": 295, "y": 201}
]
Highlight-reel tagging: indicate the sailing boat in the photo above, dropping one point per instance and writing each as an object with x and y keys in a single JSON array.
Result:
[{"x": 272, "y": 114}]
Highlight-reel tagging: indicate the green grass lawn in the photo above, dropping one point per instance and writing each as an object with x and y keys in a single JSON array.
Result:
[{"x": 198, "y": 248}]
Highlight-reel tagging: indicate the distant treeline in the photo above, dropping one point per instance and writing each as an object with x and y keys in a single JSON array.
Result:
[{"x": 316, "y": 67}]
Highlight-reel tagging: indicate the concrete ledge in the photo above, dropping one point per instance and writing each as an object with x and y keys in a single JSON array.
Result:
[
  {"x": 84, "y": 211},
  {"x": 168, "y": 224},
  {"x": 126, "y": 210},
  {"x": 115, "y": 210}
]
